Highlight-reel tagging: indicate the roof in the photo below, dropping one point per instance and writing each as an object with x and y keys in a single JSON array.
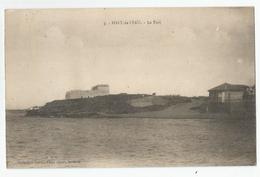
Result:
[
  {"x": 229, "y": 87},
  {"x": 99, "y": 85}
]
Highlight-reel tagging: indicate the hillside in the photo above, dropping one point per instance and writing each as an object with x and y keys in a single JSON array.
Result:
[{"x": 105, "y": 106}]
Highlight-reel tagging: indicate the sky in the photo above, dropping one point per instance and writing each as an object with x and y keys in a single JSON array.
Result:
[{"x": 51, "y": 51}]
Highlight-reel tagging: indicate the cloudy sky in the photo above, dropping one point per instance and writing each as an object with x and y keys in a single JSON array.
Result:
[{"x": 49, "y": 52}]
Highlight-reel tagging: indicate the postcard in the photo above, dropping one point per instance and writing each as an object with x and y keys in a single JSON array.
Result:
[{"x": 130, "y": 87}]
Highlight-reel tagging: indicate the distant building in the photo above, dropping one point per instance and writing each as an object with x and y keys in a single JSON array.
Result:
[
  {"x": 34, "y": 108},
  {"x": 225, "y": 93},
  {"x": 98, "y": 90},
  {"x": 228, "y": 97}
]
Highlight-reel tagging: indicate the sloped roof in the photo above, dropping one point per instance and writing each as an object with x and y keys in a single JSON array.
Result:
[{"x": 229, "y": 87}]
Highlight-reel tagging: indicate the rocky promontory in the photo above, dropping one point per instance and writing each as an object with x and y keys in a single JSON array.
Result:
[{"x": 107, "y": 106}]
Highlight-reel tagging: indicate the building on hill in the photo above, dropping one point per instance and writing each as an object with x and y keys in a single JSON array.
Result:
[
  {"x": 101, "y": 87},
  {"x": 98, "y": 90},
  {"x": 228, "y": 97},
  {"x": 227, "y": 93}
]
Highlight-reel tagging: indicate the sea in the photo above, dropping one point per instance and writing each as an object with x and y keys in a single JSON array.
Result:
[{"x": 41, "y": 142}]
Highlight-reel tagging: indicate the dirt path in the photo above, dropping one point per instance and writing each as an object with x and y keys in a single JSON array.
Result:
[{"x": 182, "y": 110}]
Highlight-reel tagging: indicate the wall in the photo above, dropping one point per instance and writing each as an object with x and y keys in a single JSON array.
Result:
[
  {"x": 235, "y": 96},
  {"x": 226, "y": 96},
  {"x": 98, "y": 91},
  {"x": 226, "y": 101}
]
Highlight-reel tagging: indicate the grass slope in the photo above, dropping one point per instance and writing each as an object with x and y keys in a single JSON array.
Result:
[{"x": 102, "y": 106}]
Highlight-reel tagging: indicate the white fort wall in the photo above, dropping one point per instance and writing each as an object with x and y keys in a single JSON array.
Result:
[{"x": 98, "y": 90}]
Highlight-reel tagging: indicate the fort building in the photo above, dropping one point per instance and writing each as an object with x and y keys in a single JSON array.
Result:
[{"x": 98, "y": 90}]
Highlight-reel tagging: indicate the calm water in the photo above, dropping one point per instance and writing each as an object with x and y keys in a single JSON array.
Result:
[{"x": 128, "y": 142}]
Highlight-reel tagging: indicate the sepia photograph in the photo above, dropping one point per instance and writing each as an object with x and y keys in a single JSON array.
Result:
[{"x": 130, "y": 87}]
